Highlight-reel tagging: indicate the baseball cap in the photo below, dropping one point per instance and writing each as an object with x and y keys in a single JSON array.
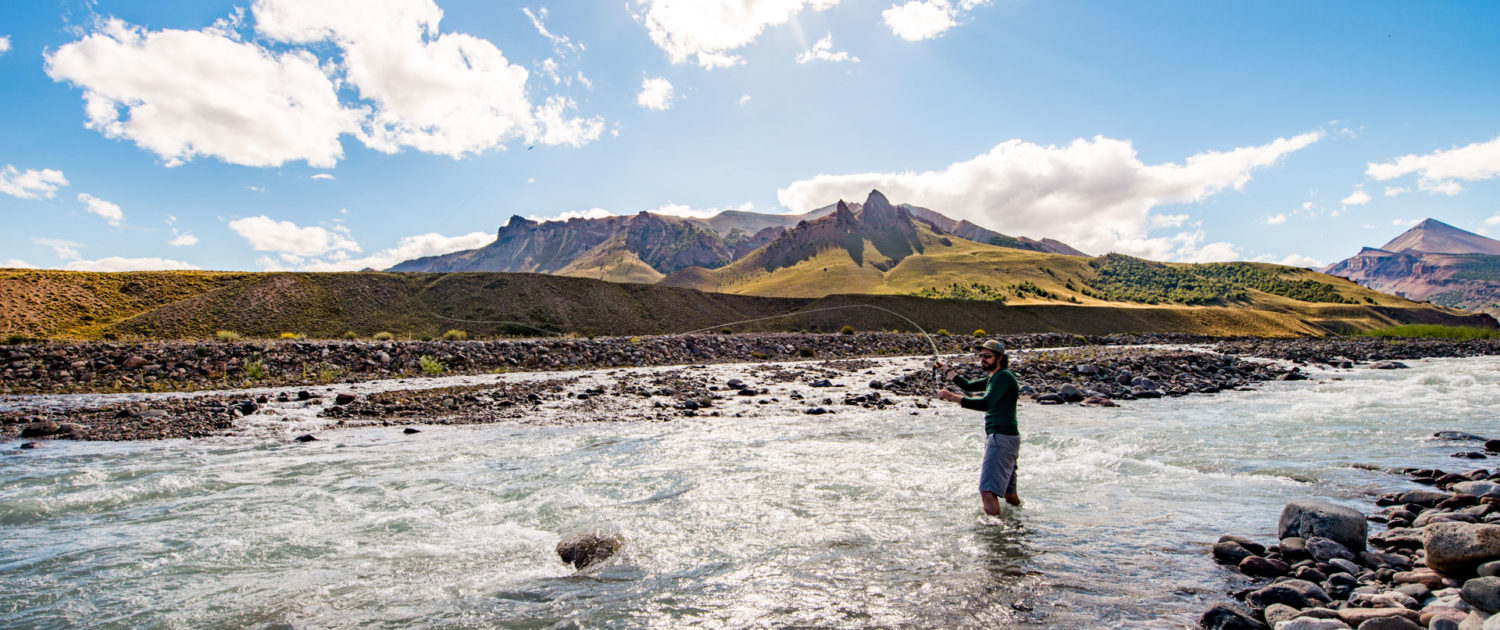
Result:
[{"x": 992, "y": 345}]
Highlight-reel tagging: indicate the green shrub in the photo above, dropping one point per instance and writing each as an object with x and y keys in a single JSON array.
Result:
[
  {"x": 1434, "y": 331},
  {"x": 847, "y": 330},
  {"x": 383, "y": 336},
  {"x": 942, "y": 332},
  {"x": 351, "y": 335},
  {"x": 293, "y": 336},
  {"x": 430, "y": 366},
  {"x": 14, "y": 339},
  {"x": 255, "y": 369},
  {"x": 727, "y": 331},
  {"x": 427, "y": 337},
  {"x": 806, "y": 351},
  {"x": 330, "y": 373},
  {"x": 227, "y": 336},
  {"x": 759, "y": 355},
  {"x": 635, "y": 341},
  {"x": 979, "y": 332},
  {"x": 455, "y": 335}
]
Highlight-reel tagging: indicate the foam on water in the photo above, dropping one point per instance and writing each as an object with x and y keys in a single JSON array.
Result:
[{"x": 856, "y": 519}]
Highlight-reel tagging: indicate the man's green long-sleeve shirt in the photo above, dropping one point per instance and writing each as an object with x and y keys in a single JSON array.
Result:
[{"x": 998, "y": 402}]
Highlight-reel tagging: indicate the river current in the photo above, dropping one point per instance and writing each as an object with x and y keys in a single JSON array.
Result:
[{"x": 862, "y": 518}]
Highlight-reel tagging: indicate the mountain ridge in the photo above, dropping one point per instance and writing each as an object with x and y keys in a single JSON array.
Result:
[{"x": 1431, "y": 261}]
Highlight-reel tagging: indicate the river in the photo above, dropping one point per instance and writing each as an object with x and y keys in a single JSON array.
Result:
[{"x": 862, "y": 518}]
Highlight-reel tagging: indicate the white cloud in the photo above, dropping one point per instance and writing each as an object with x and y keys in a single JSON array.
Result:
[
  {"x": 445, "y": 93},
  {"x": 1309, "y": 206},
  {"x": 708, "y": 30},
  {"x": 744, "y": 99},
  {"x": 4, "y": 44},
  {"x": 408, "y": 248},
  {"x": 1298, "y": 260},
  {"x": 656, "y": 93},
  {"x": 216, "y": 92},
  {"x": 1278, "y": 219},
  {"x": 268, "y": 235},
  {"x": 66, "y": 250},
  {"x": 181, "y": 94},
  {"x": 1440, "y": 171},
  {"x": 31, "y": 184},
  {"x": 16, "y": 263},
  {"x": 111, "y": 212},
  {"x": 322, "y": 176},
  {"x": 1392, "y": 191},
  {"x": 591, "y": 213},
  {"x": 116, "y": 263},
  {"x": 1095, "y": 194},
  {"x": 679, "y": 210},
  {"x": 922, "y": 19},
  {"x": 1493, "y": 220},
  {"x": 184, "y": 239},
  {"x": 1403, "y": 222},
  {"x": 823, "y": 51},
  {"x": 1356, "y": 198},
  {"x": 559, "y": 42}
]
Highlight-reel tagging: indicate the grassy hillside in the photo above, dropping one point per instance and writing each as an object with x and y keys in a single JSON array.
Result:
[{"x": 187, "y": 305}]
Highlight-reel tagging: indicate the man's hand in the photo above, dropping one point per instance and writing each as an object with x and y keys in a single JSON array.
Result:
[{"x": 949, "y": 396}]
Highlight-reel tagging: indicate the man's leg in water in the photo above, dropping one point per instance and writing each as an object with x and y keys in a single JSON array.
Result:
[
  {"x": 991, "y": 504},
  {"x": 1010, "y": 489}
]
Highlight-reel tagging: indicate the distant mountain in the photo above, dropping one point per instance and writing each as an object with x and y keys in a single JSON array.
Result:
[
  {"x": 1434, "y": 262},
  {"x": 647, "y": 247}
]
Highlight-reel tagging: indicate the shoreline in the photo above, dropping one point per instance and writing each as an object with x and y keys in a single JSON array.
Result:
[{"x": 1103, "y": 375}]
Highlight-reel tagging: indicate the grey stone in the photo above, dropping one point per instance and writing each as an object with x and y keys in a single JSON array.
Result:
[
  {"x": 1476, "y": 488},
  {"x": 1312, "y": 623},
  {"x": 1294, "y": 548},
  {"x": 586, "y": 548},
  {"x": 1489, "y": 569},
  {"x": 1228, "y": 617},
  {"x": 1325, "y": 549},
  {"x": 1298, "y": 594},
  {"x": 1343, "y": 565},
  {"x": 1424, "y": 498},
  {"x": 1389, "y": 623},
  {"x": 1306, "y": 519},
  {"x": 1457, "y": 548},
  {"x": 1276, "y": 613},
  {"x": 1482, "y": 593},
  {"x": 1230, "y": 552},
  {"x": 1264, "y": 567}
]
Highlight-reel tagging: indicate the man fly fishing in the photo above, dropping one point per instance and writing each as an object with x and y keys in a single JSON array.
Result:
[{"x": 1002, "y": 444}]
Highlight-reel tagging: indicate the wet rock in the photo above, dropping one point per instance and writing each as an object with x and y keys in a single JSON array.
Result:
[
  {"x": 248, "y": 407},
  {"x": 308, "y": 438},
  {"x": 1342, "y": 565},
  {"x": 1357, "y": 616},
  {"x": 1296, "y": 593},
  {"x": 735, "y": 383},
  {"x": 815, "y": 411},
  {"x": 1049, "y": 399},
  {"x": 1229, "y": 617},
  {"x": 1294, "y": 548},
  {"x": 1099, "y": 401},
  {"x": 1476, "y": 488},
  {"x": 48, "y": 428},
  {"x": 1070, "y": 393},
  {"x": 587, "y": 548},
  {"x": 1264, "y": 567},
  {"x": 1231, "y": 553},
  {"x": 26, "y": 446},
  {"x": 1457, "y": 436},
  {"x": 1390, "y": 623},
  {"x": 410, "y": 430},
  {"x": 822, "y": 382},
  {"x": 1388, "y": 365},
  {"x": 1492, "y": 446},
  {"x": 1306, "y": 519},
  {"x": 343, "y": 399},
  {"x": 1254, "y": 547},
  {"x": 1312, "y": 623}
]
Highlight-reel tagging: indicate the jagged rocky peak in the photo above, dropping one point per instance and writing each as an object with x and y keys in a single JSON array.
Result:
[
  {"x": 878, "y": 210},
  {"x": 517, "y": 221},
  {"x": 843, "y": 214}
]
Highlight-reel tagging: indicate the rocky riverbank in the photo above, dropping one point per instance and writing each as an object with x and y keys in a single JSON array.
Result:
[
  {"x": 1436, "y": 564},
  {"x": 1102, "y": 375}
]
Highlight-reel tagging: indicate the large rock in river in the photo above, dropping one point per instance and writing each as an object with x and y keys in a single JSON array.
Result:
[
  {"x": 1457, "y": 548},
  {"x": 585, "y": 548},
  {"x": 1305, "y": 519}
]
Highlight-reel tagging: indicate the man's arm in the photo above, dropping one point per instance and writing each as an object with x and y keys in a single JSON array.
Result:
[
  {"x": 968, "y": 385},
  {"x": 997, "y": 390}
]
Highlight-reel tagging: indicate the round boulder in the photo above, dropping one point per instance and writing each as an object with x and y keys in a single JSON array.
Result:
[
  {"x": 586, "y": 548},
  {"x": 1483, "y": 594},
  {"x": 1298, "y": 594},
  {"x": 1305, "y": 519},
  {"x": 1325, "y": 549},
  {"x": 1458, "y": 548},
  {"x": 1228, "y": 617}
]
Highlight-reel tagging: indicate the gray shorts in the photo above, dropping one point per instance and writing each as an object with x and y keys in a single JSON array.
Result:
[{"x": 997, "y": 475}]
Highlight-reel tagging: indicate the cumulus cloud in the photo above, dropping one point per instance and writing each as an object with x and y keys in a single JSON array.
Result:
[
  {"x": 408, "y": 248},
  {"x": 110, "y": 211},
  {"x": 707, "y": 31},
  {"x": 1493, "y": 220},
  {"x": 5, "y": 47},
  {"x": 1439, "y": 172},
  {"x": 1356, "y": 198},
  {"x": 823, "y": 51},
  {"x": 1277, "y": 219},
  {"x": 117, "y": 263},
  {"x": 214, "y": 92},
  {"x": 182, "y": 239},
  {"x": 16, "y": 263},
  {"x": 182, "y": 94},
  {"x": 1094, "y": 194},
  {"x": 284, "y": 237},
  {"x": 31, "y": 183},
  {"x": 923, "y": 19},
  {"x": 656, "y": 93}
]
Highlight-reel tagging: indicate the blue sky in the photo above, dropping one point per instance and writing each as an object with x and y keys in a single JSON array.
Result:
[{"x": 325, "y": 135}]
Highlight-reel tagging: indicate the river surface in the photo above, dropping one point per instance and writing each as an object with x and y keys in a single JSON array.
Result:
[{"x": 856, "y": 519}]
